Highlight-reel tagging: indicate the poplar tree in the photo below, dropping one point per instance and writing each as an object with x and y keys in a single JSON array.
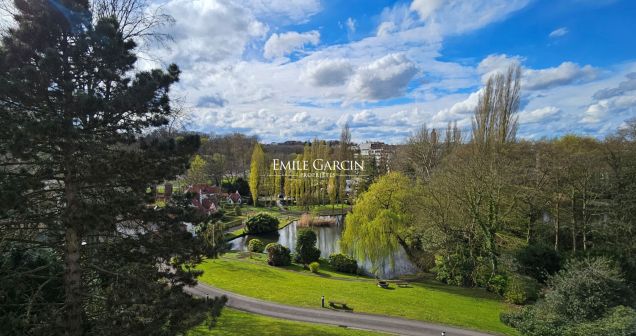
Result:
[{"x": 257, "y": 169}]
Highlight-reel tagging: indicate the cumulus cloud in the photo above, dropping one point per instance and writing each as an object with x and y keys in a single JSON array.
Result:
[
  {"x": 279, "y": 45},
  {"x": 538, "y": 115},
  {"x": 623, "y": 87},
  {"x": 328, "y": 72},
  {"x": 451, "y": 16},
  {"x": 214, "y": 100},
  {"x": 564, "y": 74},
  {"x": 494, "y": 64},
  {"x": 559, "y": 32},
  {"x": 460, "y": 111},
  {"x": 383, "y": 78}
]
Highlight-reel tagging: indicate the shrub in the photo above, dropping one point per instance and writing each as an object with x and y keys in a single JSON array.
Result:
[
  {"x": 497, "y": 284},
  {"x": 277, "y": 255},
  {"x": 538, "y": 261},
  {"x": 520, "y": 289},
  {"x": 261, "y": 223},
  {"x": 306, "y": 250},
  {"x": 314, "y": 267},
  {"x": 255, "y": 245},
  {"x": 586, "y": 289},
  {"x": 237, "y": 210},
  {"x": 343, "y": 263},
  {"x": 454, "y": 269},
  {"x": 587, "y": 297}
]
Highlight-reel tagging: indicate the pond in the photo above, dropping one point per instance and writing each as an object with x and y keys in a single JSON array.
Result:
[{"x": 328, "y": 243}]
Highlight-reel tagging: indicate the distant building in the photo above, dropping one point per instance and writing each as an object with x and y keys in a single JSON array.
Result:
[
  {"x": 380, "y": 151},
  {"x": 206, "y": 198},
  {"x": 234, "y": 198}
]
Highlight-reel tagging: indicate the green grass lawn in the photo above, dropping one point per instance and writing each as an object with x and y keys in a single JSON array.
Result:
[
  {"x": 426, "y": 301},
  {"x": 237, "y": 323}
]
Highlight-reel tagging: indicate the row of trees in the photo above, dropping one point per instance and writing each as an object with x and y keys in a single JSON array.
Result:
[{"x": 305, "y": 187}]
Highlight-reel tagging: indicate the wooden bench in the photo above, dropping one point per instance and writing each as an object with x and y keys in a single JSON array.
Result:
[
  {"x": 383, "y": 284},
  {"x": 402, "y": 284},
  {"x": 339, "y": 305}
]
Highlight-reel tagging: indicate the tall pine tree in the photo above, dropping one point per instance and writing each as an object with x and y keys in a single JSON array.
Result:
[{"x": 74, "y": 168}]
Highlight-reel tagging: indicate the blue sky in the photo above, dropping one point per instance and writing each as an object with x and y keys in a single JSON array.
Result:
[{"x": 297, "y": 69}]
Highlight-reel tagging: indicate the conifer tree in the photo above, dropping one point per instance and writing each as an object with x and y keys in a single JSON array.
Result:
[{"x": 75, "y": 166}]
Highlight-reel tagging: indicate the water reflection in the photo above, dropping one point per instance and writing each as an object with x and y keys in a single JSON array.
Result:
[{"x": 328, "y": 243}]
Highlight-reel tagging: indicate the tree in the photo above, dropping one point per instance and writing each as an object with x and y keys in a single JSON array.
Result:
[
  {"x": 197, "y": 172},
  {"x": 380, "y": 220},
  {"x": 75, "y": 168},
  {"x": 306, "y": 250},
  {"x": 257, "y": 170}
]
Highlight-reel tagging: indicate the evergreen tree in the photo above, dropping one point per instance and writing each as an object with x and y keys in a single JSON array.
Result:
[{"x": 74, "y": 173}]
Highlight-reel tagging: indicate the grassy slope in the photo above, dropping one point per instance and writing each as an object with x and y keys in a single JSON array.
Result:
[
  {"x": 238, "y": 323},
  {"x": 426, "y": 301}
]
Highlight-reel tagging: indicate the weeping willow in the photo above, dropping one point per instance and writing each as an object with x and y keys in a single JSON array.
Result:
[{"x": 377, "y": 226}]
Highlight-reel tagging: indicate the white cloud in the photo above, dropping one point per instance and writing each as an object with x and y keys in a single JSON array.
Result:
[
  {"x": 538, "y": 115},
  {"x": 425, "y": 8},
  {"x": 384, "y": 78},
  {"x": 564, "y": 74},
  {"x": 279, "y": 45},
  {"x": 458, "y": 16},
  {"x": 328, "y": 72},
  {"x": 460, "y": 111},
  {"x": 622, "y": 88},
  {"x": 559, "y": 32},
  {"x": 494, "y": 64}
]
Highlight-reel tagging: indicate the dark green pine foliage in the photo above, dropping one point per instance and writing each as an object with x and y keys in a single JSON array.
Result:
[{"x": 76, "y": 231}]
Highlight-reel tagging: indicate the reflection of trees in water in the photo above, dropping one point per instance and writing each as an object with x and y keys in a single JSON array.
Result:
[{"x": 328, "y": 243}]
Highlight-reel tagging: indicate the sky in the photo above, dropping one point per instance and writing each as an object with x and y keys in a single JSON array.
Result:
[{"x": 299, "y": 69}]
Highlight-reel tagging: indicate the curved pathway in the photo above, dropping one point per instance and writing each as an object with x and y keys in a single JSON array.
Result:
[{"x": 393, "y": 325}]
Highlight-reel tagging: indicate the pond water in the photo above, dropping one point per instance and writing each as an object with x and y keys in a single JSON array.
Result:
[{"x": 328, "y": 243}]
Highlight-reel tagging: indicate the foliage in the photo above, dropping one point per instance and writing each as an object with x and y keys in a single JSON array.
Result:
[
  {"x": 260, "y": 223},
  {"x": 520, "y": 290},
  {"x": 238, "y": 184},
  {"x": 343, "y": 263},
  {"x": 278, "y": 255},
  {"x": 210, "y": 235},
  {"x": 314, "y": 267},
  {"x": 588, "y": 295},
  {"x": 33, "y": 273},
  {"x": 497, "y": 284},
  {"x": 78, "y": 152},
  {"x": 538, "y": 261},
  {"x": 257, "y": 169},
  {"x": 196, "y": 173},
  {"x": 255, "y": 245},
  {"x": 586, "y": 288},
  {"x": 379, "y": 222},
  {"x": 306, "y": 250}
]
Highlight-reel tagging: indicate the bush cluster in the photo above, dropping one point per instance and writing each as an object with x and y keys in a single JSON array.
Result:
[
  {"x": 255, "y": 245},
  {"x": 314, "y": 267},
  {"x": 261, "y": 223},
  {"x": 521, "y": 289},
  {"x": 277, "y": 255},
  {"x": 343, "y": 263}
]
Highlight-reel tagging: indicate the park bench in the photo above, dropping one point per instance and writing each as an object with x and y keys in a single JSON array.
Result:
[
  {"x": 339, "y": 305},
  {"x": 383, "y": 284},
  {"x": 402, "y": 284}
]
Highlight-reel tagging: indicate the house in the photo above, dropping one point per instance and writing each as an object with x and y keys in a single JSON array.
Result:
[
  {"x": 234, "y": 198},
  {"x": 206, "y": 198}
]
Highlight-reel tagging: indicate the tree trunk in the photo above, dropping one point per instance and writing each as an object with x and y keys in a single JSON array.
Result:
[
  {"x": 72, "y": 272},
  {"x": 573, "y": 205},
  {"x": 557, "y": 224}
]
